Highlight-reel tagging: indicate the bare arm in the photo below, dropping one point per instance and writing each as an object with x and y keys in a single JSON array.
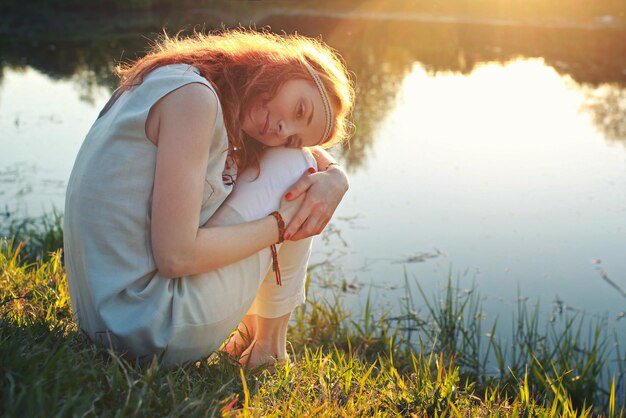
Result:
[
  {"x": 185, "y": 120},
  {"x": 322, "y": 192}
]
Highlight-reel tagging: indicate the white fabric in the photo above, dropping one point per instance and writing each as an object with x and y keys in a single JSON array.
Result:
[{"x": 255, "y": 197}]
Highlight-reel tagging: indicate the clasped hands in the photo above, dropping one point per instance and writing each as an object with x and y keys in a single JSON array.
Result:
[{"x": 309, "y": 204}]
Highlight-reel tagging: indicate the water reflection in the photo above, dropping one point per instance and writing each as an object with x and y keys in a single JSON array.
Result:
[
  {"x": 480, "y": 153},
  {"x": 607, "y": 105},
  {"x": 42, "y": 124},
  {"x": 379, "y": 52},
  {"x": 500, "y": 175}
]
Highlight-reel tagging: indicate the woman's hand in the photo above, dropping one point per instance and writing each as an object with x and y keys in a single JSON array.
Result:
[
  {"x": 321, "y": 193},
  {"x": 289, "y": 208}
]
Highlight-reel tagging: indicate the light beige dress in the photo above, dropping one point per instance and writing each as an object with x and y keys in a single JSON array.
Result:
[{"x": 117, "y": 294}]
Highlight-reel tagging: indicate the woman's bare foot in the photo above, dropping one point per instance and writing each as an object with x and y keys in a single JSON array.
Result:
[
  {"x": 242, "y": 338},
  {"x": 270, "y": 343},
  {"x": 257, "y": 355}
]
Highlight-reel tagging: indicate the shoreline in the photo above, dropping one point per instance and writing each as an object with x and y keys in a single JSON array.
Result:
[
  {"x": 343, "y": 363},
  {"x": 64, "y": 22}
]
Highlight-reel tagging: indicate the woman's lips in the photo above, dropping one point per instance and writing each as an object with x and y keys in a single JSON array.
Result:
[{"x": 265, "y": 125}]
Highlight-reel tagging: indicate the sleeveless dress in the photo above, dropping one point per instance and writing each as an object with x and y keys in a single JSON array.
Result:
[{"x": 118, "y": 296}]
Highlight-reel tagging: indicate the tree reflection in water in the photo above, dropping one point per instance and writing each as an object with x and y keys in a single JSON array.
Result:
[
  {"x": 607, "y": 105},
  {"x": 379, "y": 52}
]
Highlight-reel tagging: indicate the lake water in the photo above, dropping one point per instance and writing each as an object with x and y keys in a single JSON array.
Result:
[{"x": 493, "y": 154}]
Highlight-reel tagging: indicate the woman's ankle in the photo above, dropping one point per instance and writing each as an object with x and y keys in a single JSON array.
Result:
[{"x": 270, "y": 342}]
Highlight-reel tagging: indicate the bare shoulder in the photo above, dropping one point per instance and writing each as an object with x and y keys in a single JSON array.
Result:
[
  {"x": 193, "y": 106},
  {"x": 191, "y": 99},
  {"x": 192, "y": 92}
]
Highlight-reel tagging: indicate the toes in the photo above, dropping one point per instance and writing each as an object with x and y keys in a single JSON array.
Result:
[
  {"x": 235, "y": 345},
  {"x": 254, "y": 357}
]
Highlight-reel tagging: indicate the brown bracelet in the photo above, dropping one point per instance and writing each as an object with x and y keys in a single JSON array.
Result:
[
  {"x": 275, "y": 265},
  {"x": 281, "y": 225},
  {"x": 281, "y": 237},
  {"x": 329, "y": 164}
]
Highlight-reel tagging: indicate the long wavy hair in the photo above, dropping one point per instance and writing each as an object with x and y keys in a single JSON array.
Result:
[{"x": 243, "y": 65}]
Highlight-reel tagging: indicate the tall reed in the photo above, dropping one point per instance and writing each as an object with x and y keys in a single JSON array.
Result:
[{"x": 438, "y": 363}]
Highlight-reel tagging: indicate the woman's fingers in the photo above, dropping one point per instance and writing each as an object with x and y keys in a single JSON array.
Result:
[
  {"x": 297, "y": 222},
  {"x": 322, "y": 193},
  {"x": 300, "y": 186},
  {"x": 315, "y": 211},
  {"x": 309, "y": 228},
  {"x": 310, "y": 219}
]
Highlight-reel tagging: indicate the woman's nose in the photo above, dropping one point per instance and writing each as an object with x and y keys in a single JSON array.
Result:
[{"x": 284, "y": 129}]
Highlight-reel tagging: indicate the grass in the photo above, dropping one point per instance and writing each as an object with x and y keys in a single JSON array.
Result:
[
  {"x": 438, "y": 363},
  {"x": 40, "y": 237}
]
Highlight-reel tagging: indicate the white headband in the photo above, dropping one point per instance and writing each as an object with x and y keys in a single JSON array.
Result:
[{"x": 328, "y": 110}]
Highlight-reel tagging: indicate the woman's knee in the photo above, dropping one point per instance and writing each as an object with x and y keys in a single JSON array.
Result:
[
  {"x": 293, "y": 161},
  {"x": 257, "y": 193},
  {"x": 279, "y": 168}
]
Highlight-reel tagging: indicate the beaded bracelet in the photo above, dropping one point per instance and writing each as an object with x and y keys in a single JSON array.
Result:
[
  {"x": 329, "y": 164},
  {"x": 281, "y": 237}
]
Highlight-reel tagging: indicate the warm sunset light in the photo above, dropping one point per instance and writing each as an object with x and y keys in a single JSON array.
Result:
[
  {"x": 500, "y": 115},
  {"x": 333, "y": 208}
]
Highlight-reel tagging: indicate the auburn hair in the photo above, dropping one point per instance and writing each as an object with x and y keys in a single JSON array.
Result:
[{"x": 244, "y": 64}]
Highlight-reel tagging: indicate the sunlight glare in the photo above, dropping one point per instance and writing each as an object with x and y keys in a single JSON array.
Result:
[{"x": 498, "y": 121}]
